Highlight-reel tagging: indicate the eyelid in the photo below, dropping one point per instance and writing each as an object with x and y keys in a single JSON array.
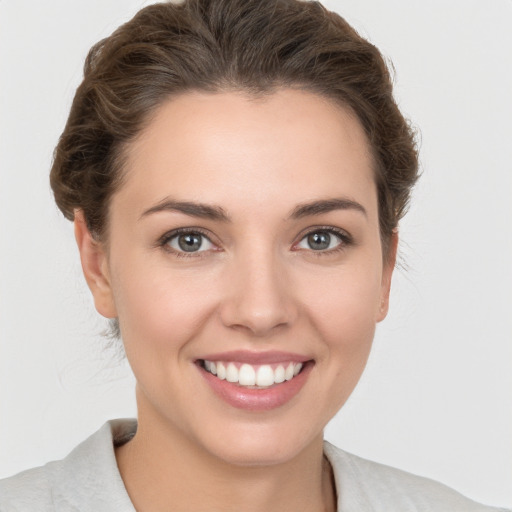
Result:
[
  {"x": 163, "y": 241},
  {"x": 345, "y": 238}
]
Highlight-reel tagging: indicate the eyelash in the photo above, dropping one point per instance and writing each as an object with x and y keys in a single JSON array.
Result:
[
  {"x": 345, "y": 240},
  {"x": 164, "y": 240}
]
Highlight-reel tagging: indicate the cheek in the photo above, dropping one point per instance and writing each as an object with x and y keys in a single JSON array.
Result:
[
  {"x": 343, "y": 308},
  {"x": 347, "y": 295},
  {"x": 159, "y": 307}
]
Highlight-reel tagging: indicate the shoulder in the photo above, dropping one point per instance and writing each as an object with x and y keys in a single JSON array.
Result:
[
  {"x": 29, "y": 490},
  {"x": 86, "y": 480},
  {"x": 364, "y": 485}
]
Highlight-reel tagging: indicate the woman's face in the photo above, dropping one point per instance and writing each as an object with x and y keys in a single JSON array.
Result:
[{"x": 245, "y": 241}]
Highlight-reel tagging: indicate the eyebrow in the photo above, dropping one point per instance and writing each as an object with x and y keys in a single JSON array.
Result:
[
  {"x": 325, "y": 206},
  {"x": 217, "y": 213},
  {"x": 200, "y": 210}
]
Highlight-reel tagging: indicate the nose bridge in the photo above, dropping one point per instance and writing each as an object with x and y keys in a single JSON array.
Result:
[{"x": 258, "y": 298}]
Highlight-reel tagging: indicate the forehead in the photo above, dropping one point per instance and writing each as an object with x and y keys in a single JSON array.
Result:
[{"x": 214, "y": 146}]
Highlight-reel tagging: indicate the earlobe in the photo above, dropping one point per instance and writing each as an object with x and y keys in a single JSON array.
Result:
[
  {"x": 387, "y": 273},
  {"x": 95, "y": 267}
]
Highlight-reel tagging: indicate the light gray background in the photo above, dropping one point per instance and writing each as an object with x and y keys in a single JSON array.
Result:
[{"x": 437, "y": 395}]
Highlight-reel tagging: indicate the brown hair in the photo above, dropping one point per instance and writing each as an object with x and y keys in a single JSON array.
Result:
[{"x": 216, "y": 45}]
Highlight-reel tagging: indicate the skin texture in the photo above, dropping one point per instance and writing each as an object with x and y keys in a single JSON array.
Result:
[{"x": 256, "y": 285}]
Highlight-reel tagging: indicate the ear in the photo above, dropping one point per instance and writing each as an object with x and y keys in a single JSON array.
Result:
[
  {"x": 95, "y": 267},
  {"x": 387, "y": 273}
]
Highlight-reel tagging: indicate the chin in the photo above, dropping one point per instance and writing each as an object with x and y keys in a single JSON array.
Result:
[{"x": 261, "y": 445}]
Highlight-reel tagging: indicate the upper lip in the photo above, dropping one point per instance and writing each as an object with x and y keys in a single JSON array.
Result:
[{"x": 268, "y": 357}]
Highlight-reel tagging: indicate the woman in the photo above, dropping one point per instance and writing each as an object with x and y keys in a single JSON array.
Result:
[{"x": 236, "y": 209}]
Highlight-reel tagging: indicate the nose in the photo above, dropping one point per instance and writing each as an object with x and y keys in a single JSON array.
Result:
[{"x": 259, "y": 298}]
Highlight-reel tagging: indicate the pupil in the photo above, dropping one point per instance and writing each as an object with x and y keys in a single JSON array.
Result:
[
  {"x": 190, "y": 243},
  {"x": 319, "y": 241}
]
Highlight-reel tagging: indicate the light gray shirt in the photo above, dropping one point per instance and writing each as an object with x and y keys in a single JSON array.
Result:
[{"x": 88, "y": 480}]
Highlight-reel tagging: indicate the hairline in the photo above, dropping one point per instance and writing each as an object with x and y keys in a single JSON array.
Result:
[{"x": 121, "y": 153}]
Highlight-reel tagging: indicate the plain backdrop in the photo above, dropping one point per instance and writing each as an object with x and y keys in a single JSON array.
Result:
[{"x": 436, "y": 398}]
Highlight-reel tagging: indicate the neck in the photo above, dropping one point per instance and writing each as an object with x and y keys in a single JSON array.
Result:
[{"x": 162, "y": 466}]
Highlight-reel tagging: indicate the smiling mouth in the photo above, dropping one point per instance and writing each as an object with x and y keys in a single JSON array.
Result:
[{"x": 262, "y": 376}]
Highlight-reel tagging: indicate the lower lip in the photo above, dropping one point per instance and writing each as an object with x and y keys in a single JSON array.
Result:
[{"x": 257, "y": 399}]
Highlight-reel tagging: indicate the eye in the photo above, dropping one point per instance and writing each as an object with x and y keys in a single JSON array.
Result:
[
  {"x": 323, "y": 240},
  {"x": 188, "y": 242}
]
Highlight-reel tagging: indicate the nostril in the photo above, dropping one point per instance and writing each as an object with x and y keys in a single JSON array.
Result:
[
  {"x": 258, "y": 300},
  {"x": 258, "y": 328}
]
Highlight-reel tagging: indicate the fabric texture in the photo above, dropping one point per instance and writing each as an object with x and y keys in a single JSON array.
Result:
[{"x": 88, "y": 480}]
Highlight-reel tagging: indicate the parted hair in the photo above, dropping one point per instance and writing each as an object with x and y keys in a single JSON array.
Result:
[{"x": 254, "y": 46}]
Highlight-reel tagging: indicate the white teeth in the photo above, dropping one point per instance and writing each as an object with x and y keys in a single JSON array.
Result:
[
  {"x": 279, "y": 375},
  {"x": 245, "y": 374},
  {"x": 221, "y": 371},
  {"x": 265, "y": 376},
  {"x": 232, "y": 373}
]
